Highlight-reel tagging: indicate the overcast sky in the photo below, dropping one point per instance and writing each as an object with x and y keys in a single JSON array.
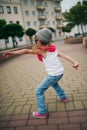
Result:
[{"x": 67, "y": 4}]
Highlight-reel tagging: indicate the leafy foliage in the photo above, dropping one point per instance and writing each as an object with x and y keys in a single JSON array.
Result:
[
  {"x": 2, "y": 25},
  {"x": 14, "y": 30},
  {"x": 77, "y": 15},
  {"x": 30, "y": 32},
  {"x": 68, "y": 27},
  {"x": 52, "y": 29}
]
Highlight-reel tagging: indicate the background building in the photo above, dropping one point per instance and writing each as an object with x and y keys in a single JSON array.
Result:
[{"x": 34, "y": 14}]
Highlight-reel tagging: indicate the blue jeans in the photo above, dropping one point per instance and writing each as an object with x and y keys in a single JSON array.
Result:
[{"x": 40, "y": 98}]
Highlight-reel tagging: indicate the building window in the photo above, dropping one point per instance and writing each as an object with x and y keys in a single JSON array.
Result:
[
  {"x": 40, "y": 13},
  {"x": 8, "y": 9},
  {"x": 17, "y": 22},
  {"x": 42, "y": 23},
  {"x": 10, "y": 21},
  {"x": 52, "y": 14},
  {"x": 48, "y": 22},
  {"x": 20, "y": 38},
  {"x": 15, "y": 10},
  {"x": 25, "y": 2},
  {"x": 1, "y": 10},
  {"x": 45, "y": 4},
  {"x": 6, "y": 41},
  {"x": 53, "y": 22},
  {"x": 58, "y": 5},
  {"x": 35, "y": 23},
  {"x": 57, "y": 13},
  {"x": 39, "y": 2},
  {"x": 47, "y": 13},
  {"x": 26, "y": 12},
  {"x": 33, "y": 13},
  {"x": 59, "y": 22},
  {"x": 32, "y": 2},
  {"x": 28, "y": 23}
]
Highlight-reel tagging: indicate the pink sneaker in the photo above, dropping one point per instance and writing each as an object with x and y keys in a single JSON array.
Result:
[
  {"x": 66, "y": 100},
  {"x": 37, "y": 115}
]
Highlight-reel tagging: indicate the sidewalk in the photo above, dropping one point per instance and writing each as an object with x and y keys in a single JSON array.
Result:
[{"x": 18, "y": 81}]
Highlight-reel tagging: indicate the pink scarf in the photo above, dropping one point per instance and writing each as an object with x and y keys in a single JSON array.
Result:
[{"x": 51, "y": 48}]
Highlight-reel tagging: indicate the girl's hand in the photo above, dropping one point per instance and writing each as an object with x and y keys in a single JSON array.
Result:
[
  {"x": 76, "y": 65},
  {"x": 7, "y": 54}
]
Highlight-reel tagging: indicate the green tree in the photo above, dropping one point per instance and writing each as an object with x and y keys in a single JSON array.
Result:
[
  {"x": 30, "y": 32},
  {"x": 84, "y": 9},
  {"x": 77, "y": 15},
  {"x": 67, "y": 28},
  {"x": 52, "y": 29},
  {"x": 3, "y": 35},
  {"x": 14, "y": 30},
  {"x": 2, "y": 25}
]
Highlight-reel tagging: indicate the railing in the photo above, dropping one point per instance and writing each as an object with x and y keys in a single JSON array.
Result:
[
  {"x": 42, "y": 26},
  {"x": 41, "y": 7},
  {"x": 42, "y": 17},
  {"x": 58, "y": 17},
  {"x": 57, "y": 9},
  {"x": 59, "y": 26}
]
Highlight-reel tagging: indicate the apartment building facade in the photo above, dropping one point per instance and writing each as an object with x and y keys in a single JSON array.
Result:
[{"x": 34, "y": 14}]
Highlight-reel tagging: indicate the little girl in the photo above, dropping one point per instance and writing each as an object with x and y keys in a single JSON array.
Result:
[{"x": 48, "y": 54}]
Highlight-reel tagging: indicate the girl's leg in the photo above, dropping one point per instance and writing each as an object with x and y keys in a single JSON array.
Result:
[
  {"x": 60, "y": 92},
  {"x": 40, "y": 98}
]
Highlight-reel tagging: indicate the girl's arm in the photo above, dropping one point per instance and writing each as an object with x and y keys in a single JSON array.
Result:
[
  {"x": 68, "y": 58},
  {"x": 20, "y": 52}
]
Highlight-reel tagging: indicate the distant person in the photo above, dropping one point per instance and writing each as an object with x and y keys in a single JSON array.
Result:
[
  {"x": 48, "y": 54},
  {"x": 59, "y": 33},
  {"x": 14, "y": 41}
]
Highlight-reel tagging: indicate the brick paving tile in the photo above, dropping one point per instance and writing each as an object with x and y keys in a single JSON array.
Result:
[
  {"x": 6, "y": 128},
  {"x": 3, "y": 124},
  {"x": 5, "y": 118},
  {"x": 84, "y": 126},
  {"x": 78, "y": 113},
  {"x": 69, "y": 127},
  {"x": 78, "y": 119},
  {"x": 57, "y": 120},
  {"x": 37, "y": 122},
  {"x": 57, "y": 114},
  {"x": 26, "y": 128},
  {"x": 49, "y": 127},
  {"x": 17, "y": 123},
  {"x": 20, "y": 117}
]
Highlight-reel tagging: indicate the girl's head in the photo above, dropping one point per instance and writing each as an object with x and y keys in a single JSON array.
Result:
[{"x": 43, "y": 37}]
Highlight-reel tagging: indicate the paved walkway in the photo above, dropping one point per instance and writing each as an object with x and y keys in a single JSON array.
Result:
[{"x": 20, "y": 76}]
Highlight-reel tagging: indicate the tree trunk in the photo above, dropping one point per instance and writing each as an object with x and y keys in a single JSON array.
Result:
[
  {"x": 78, "y": 29},
  {"x": 6, "y": 42},
  {"x": 82, "y": 29},
  {"x": 6, "y": 45},
  {"x": 13, "y": 42},
  {"x": 85, "y": 28},
  {"x": 31, "y": 40}
]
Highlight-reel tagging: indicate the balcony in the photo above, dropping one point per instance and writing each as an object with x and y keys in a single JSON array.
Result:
[
  {"x": 42, "y": 17},
  {"x": 41, "y": 7},
  {"x": 59, "y": 25},
  {"x": 57, "y": 9},
  {"x": 42, "y": 26},
  {"x": 58, "y": 17}
]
